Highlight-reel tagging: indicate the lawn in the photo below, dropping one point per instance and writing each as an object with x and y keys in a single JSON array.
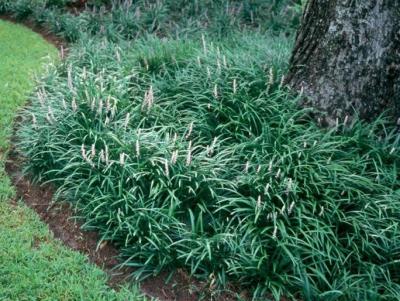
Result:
[
  {"x": 18, "y": 64},
  {"x": 34, "y": 266}
]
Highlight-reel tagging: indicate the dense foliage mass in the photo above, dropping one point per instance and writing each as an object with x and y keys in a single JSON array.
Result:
[
  {"x": 189, "y": 152},
  {"x": 131, "y": 19}
]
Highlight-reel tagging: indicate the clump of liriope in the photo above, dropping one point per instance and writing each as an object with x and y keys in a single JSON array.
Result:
[
  {"x": 193, "y": 154},
  {"x": 127, "y": 19}
]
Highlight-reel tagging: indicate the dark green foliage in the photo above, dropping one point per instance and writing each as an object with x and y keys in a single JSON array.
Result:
[
  {"x": 129, "y": 19},
  {"x": 249, "y": 190},
  {"x": 170, "y": 130}
]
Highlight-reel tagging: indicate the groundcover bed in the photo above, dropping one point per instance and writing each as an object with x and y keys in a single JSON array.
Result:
[
  {"x": 183, "y": 147},
  {"x": 34, "y": 265}
]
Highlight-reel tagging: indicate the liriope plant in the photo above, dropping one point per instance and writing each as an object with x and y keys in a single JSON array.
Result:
[
  {"x": 127, "y": 19},
  {"x": 193, "y": 154}
]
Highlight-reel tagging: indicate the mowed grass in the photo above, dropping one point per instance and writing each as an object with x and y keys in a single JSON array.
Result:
[
  {"x": 34, "y": 266},
  {"x": 22, "y": 53}
]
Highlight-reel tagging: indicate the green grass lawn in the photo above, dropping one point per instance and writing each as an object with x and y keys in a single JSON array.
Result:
[{"x": 34, "y": 266}]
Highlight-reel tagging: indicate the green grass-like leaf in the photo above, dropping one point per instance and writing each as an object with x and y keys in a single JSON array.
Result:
[{"x": 191, "y": 154}]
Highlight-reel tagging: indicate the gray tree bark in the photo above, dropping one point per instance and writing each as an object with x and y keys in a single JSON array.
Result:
[{"x": 347, "y": 58}]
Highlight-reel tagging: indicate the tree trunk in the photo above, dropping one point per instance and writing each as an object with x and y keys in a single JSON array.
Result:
[{"x": 347, "y": 58}]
